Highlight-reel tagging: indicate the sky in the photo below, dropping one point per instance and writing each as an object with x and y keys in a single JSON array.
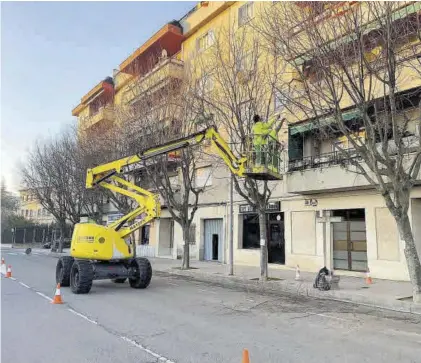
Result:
[{"x": 53, "y": 53}]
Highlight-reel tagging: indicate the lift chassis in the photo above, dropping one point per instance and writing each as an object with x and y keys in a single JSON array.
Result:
[{"x": 80, "y": 273}]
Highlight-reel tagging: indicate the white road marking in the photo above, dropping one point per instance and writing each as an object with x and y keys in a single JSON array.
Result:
[
  {"x": 209, "y": 291},
  {"x": 12, "y": 253},
  {"x": 171, "y": 283},
  {"x": 44, "y": 296},
  {"x": 12, "y": 278},
  {"x": 83, "y": 316},
  {"x": 146, "y": 350},
  {"x": 24, "y": 285},
  {"x": 332, "y": 317}
]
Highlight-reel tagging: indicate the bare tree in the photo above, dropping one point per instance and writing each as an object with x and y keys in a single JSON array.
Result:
[
  {"x": 235, "y": 78},
  {"x": 55, "y": 173},
  {"x": 159, "y": 114},
  {"x": 45, "y": 175},
  {"x": 357, "y": 59},
  {"x": 96, "y": 146}
]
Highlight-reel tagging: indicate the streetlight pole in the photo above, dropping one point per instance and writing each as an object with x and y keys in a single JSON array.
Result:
[{"x": 231, "y": 242}]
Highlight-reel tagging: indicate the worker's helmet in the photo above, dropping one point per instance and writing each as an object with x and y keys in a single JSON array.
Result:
[{"x": 256, "y": 118}]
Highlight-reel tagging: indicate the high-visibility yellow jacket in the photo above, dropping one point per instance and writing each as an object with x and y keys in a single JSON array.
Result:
[{"x": 261, "y": 131}]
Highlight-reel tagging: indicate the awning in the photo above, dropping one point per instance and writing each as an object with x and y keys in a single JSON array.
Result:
[{"x": 322, "y": 122}]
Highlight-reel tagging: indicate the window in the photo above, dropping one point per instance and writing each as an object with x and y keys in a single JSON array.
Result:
[
  {"x": 251, "y": 231},
  {"x": 279, "y": 101},
  {"x": 245, "y": 62},
  {"x": 205, "y": 41},
  {"x": 204, "y": 85},
  {"x": 39, "y": 213},
  {"x": 245, "y": 13},
  {"x": 113, "y": 217},
  {"x": 192, "y": 234},
  {"x": 203, "y": 177},
  {"x": 31, "y": 213},
  {"x": 26, "y": 213}
]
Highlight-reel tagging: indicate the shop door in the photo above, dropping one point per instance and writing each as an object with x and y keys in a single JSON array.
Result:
[
  {"x": 276, "y": 240},
  {"x": 350, "y": 241},
  {"x": 144, "y": 238},
  {"x": 213, "y": 246}
]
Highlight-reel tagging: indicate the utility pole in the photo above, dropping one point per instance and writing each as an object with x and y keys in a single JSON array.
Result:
[{"x": 231, "y": 241}]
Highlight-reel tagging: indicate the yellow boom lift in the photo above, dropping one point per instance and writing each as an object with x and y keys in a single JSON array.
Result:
[{"x": 106, "y": 252}]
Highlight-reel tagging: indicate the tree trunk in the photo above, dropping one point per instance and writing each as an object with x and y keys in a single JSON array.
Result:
[
  {"x": 411, "y": 255},
  {"x": 186, "y": 249},
  {"x": 263, "y": 247},
  {"x": 60, "y": 242}
]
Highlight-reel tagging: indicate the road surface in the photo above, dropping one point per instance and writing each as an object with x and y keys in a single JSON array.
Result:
[{"x": 182, "y": 321}]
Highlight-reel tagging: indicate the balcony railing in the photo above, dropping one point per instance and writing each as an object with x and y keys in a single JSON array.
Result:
[
  {"x": 166, "y": 69},
  {"x": 103, "y": 114},
  {"x": 323, "y": 160}
]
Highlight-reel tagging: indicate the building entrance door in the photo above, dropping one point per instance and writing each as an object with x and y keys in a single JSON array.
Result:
[
  {"x": 276, "y": 240},
  {"x": 350, "y": 241},
  {"x": 213, "y": 246}
]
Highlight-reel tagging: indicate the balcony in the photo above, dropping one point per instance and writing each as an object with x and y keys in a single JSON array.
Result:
[
  {"x": 326, "y": 172},
  {"x": 334, "y": 172},
  {"x": 166, "y": 71},
  {"x": 201, "y": 14},
  {"x": 104, "y": 115}
]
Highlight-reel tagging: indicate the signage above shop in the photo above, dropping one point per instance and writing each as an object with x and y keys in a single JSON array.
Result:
[{"x": 271, "y": 207}]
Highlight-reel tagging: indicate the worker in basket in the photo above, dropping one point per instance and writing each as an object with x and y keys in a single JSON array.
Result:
[{"x": 265, "y": 141}]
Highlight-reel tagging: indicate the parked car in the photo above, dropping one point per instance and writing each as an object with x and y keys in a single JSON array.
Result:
[{"x": 66, "y": 243}]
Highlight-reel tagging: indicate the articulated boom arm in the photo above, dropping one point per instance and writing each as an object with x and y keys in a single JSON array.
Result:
[{"x": 148, "y": 202}]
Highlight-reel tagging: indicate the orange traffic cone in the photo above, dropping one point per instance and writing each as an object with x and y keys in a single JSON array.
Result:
[
  {"x": 368, "y": 279},
  {"x": 57, "y": 296},
  {"x": 3, "y": 266},
  {"x": 9, "y": 272},
  {"x": 246, "y": 358}
]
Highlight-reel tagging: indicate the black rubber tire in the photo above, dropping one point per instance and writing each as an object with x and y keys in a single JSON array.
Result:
[
  {"x": 63, "y": 267},
  {"x": 119, "y": 281},
  {"x": 81, "y": 276},
  {"x": 142, "y": 273}
]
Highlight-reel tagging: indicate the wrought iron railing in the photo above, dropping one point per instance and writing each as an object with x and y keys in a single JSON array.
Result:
[{"x": 324, "y": 160}]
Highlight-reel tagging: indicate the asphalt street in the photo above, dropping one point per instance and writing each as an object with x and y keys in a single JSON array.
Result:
[{"x": 177, "y": 320}]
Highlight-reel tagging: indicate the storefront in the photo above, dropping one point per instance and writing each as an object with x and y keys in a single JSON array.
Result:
[{"x": 274, "y": 227}]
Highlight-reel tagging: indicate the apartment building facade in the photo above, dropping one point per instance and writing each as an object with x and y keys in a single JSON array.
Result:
[
  {"x": 30, "y": 208},
  {"x": 319, "y": 214}
]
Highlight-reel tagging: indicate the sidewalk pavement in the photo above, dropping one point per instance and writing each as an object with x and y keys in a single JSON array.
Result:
[{"x": 385, "y": 294}]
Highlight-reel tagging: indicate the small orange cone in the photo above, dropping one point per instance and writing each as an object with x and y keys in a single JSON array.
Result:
[
  {"x": 57, "y": 296},
  {"x": 368, "y": 279},
  {"x": 9, "y": 272},
  {"x": 246, "y": 358},
  {"x": 3, "y": 266}
]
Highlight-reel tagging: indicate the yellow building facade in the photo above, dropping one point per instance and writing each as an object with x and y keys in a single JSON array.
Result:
[
  {"x": 31, "y": 208},
  {"x": 347, "y": 225}
]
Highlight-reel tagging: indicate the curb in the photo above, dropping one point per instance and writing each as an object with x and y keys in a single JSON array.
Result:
[
  {"x": 294, "y": 288},
  {"x": 284, "y": 286}
]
